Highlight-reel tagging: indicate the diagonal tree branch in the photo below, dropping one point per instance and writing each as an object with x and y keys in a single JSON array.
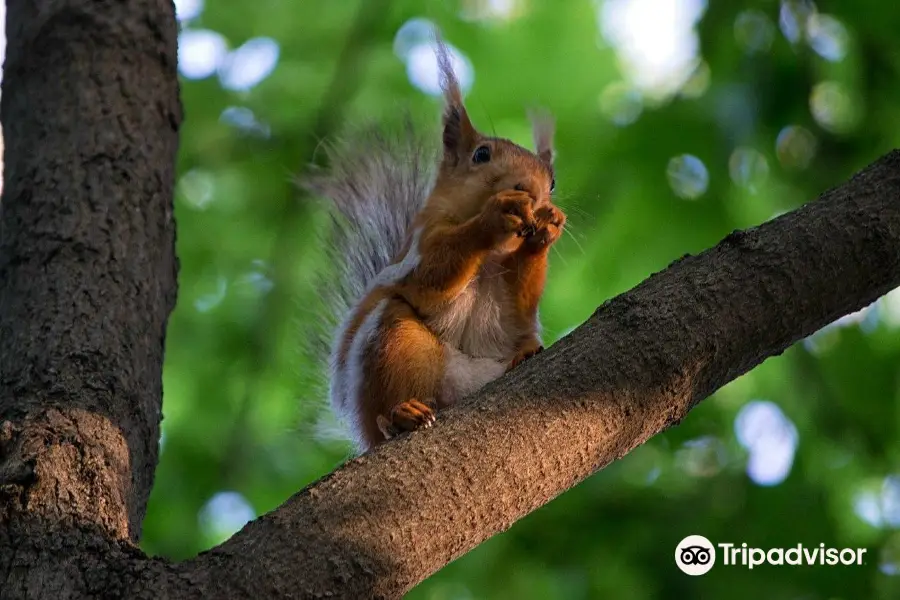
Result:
[{"x": 388, "y": 519}]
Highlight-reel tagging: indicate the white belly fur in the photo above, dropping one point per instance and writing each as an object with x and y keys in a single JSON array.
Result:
[{"x": 478, "y": 334}]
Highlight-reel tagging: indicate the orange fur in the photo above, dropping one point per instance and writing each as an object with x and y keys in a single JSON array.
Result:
[{"x": 458, "y": 306}]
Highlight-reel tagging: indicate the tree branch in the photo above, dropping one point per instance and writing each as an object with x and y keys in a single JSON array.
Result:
[{"x": 387, "y": 520}]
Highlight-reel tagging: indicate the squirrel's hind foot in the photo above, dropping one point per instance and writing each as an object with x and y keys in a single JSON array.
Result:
[{"x": 407, "y": 416}]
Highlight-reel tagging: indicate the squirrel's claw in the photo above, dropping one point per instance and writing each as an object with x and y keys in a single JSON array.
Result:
[
  {"x": 549, "y": 222},
  {"x": 407, "y": 416},
  {"x": 527, "y": 231}
]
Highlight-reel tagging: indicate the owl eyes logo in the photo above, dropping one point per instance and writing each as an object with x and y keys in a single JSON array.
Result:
[{"x": 695, "y": 555}]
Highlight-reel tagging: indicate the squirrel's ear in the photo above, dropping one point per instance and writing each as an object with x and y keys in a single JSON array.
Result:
[
  {"x": 460, "y": 135},
  {"x": 543, "y": 128}
]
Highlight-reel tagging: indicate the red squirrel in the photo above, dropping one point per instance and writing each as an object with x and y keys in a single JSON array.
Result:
[{"x": 444, "y": 271}]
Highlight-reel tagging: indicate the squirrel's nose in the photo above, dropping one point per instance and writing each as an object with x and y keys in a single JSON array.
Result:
[
  {"x": 536, "y": 197},
  {"x": 522, "y": 187}
]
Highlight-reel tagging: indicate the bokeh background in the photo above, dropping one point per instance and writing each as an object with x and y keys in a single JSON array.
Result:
[{"x": 678, "y": 121}]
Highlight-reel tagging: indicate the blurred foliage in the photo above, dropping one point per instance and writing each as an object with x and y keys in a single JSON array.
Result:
[{"x": 647, "y": 173}]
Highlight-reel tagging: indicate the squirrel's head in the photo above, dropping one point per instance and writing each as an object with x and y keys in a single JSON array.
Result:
[{"x": 475, "y": 166}]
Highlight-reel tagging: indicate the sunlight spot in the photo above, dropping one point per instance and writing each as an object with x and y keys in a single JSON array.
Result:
[
  {"x": 793, "y": 16},
  {"x": 753, "y": 31},
  {"x": 224, "y": 515},
  {"x": 422, "y": 68},
  {"x": 701, "y": 457},
  {"x": 258, "y": 278},
  {"x": 867, "y": 507},
  {"x": 748, "y": 168},
  {"x": 795, "y": 147},
  {"x": 414, "y": 45},
  {"x": 259, "y": 281},
  {"x": 185, "y": 10},
  {"x": 243, "y": 119},
  {"x": 200, "y": 52},
  {"x": 827, "y": 36},
  {"x": 688, "y": 176},
  {"x": 492, "y": 10},
  {"x": 248, "y": 65},
  {"x": 832, "y": 107},
  {"x": 890, "y": 500},
  {"x": 771, "y": 465},
  {"x": 207, "y": 301},
  {"x": 879, "y": 505},
  {"x": 412, "y": 33},
  {"x": 196, "y": 188},
  {"x": 890, "y": 308},
  {"x": 621, "y": 103},
  {"x": 655, "y": 40},
  {"x": 771, "y": 439}
]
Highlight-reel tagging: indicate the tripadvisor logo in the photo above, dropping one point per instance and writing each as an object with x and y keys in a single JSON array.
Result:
[{"x": 696, "y": 555}]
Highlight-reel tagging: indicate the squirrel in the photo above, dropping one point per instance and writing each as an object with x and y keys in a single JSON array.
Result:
[{"x": 442, "y": 272}]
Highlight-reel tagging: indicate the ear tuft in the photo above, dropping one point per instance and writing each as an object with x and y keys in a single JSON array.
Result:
[
  {"x": 449, "y": 82},
  {"x": 459, "y": 133},
  {"x": 543, "y": 128}
]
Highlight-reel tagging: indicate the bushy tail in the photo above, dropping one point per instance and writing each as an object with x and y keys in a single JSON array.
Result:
[{"x": 373, "y": 187}]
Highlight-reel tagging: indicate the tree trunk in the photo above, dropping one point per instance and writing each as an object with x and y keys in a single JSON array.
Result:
[
  {"x": 90, "y": 113},
  {"x": 87, "y": 279}
]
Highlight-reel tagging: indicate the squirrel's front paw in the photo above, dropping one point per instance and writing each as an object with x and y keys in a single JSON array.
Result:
[
  {"x": 407, "y": 416},
  {"x": 549, "y": 226},
  {"x": 509, "y": 213}
]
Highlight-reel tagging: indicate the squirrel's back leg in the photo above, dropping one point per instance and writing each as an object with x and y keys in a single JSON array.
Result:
[{"x": 401, "y": 371}]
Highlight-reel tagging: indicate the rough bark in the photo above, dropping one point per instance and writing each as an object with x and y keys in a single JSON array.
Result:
[
  {"x": 87, "y": 279},
  {"x": 90, "y": 113}
]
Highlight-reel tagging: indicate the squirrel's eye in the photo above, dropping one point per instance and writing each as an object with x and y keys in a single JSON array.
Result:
[
  {"x": 552, "y": 185},
  {"x": 482, "y": 155}
]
